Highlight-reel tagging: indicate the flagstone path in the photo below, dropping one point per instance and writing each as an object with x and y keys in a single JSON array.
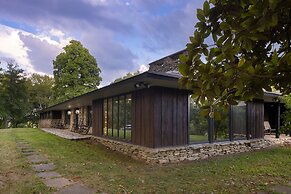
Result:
[
  {"x": 65, "y": 133},
  {"x": 45, "y": 170}
]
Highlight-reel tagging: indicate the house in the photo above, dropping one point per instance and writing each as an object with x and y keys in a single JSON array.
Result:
[{"x": 151, "y": 118}]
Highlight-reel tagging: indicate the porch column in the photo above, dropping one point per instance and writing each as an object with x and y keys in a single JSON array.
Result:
[
  {"x": 278, "y": 120},
  {"x": 63, "y": 116},
  {"x": 211, "y": 126},
  {"x": 85, "y": 115},
  {"x": 72, "y": 120}
]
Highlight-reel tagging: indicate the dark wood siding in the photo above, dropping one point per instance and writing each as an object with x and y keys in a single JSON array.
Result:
[
  {"x": 255, "y": 119},
  {"x": 160, "y": 117},
  {"x": 142, "y": 126},
  {"x": 97, "y": 122}
]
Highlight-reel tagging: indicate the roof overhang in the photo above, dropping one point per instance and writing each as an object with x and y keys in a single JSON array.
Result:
[
  {"x": 271, "y": 96},
  {"x": 149, "y": 79}
]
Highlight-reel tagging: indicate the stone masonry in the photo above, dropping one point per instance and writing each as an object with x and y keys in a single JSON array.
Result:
[
  {"x": 183, "y": 153},
  {"x": 48, "y": 123}
]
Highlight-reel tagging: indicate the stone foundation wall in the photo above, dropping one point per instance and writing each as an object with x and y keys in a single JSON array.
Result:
[
  {"x": 48, "y": 123},
  {"x": 183, "y": 153}
]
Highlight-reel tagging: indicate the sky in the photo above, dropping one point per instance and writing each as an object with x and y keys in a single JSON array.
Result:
[{"x": 123, "y": 35}]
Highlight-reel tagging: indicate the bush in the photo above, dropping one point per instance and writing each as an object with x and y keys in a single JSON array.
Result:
[{"x": 21, "y": 125}]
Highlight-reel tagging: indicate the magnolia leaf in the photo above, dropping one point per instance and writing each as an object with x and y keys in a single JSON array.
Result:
[
  {"x": 204, "y": 112},
  {"x": 275, "y": 57},
  {"x": 183, "y": 68},
  {"x": 217, "y": 116},
  {"x": 224, "y": 26},
  {"x": 183, "y": 58},
  {"x": 241, "y": 62},
  {"x": 206, "y": 7},
  {"x": 200, "y": 15}
]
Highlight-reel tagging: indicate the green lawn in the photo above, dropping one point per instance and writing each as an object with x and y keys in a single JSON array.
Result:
[
  {"x": 16, "y": 175},
  {"x": 110, "y": 172},
  {"x": 121, "y": 134},
  {"x": 198, "y": 138}
]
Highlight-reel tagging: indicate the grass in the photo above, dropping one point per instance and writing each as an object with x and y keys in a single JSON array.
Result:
[
  {"x": 111, "y": 172},
  {"x": 198, "y": 138},
  {"x": 121, "y": 134},
  {"x": 16, "y": 176}
]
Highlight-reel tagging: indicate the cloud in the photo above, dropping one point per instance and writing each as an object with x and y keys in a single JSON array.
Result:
[
  {"x": 121, "y": 34},
  {"x": 13, "y": 48},
  {"x": 41, "y": 52},
  {"x": 112, "y": 57},
  {"x": 34, "y": 53}
]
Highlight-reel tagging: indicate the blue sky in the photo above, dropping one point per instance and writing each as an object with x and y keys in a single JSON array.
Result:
[{"x": 123, "y": 35}]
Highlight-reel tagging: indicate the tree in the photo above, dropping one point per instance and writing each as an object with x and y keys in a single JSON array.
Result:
[
  {"x": 40, "y": 89},
  {"x": 128, "y": 75},
  {"x": 286, "y": 116},
  {"x": 75, "y": 72},
  {"x": 13, "y": 96},
  {"x": 2, "y": 109},
  {"x": 238, "y": 49}
]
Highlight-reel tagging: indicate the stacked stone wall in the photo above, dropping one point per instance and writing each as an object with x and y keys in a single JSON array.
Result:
[
  {"x": 48, "y": 123},
  {"x": 183, "y": 153}
]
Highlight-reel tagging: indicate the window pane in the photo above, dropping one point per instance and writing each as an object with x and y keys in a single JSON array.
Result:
[
  {"x": 198, "y": 125},
  {"x": 128, "y": 118},
  {"x": 109, "y": 119},
  {"x": 221, "y": 126},
  {"x": 121, "y": 117},
  {"x": 104, "y": 132},
  {"x": 67, "y": 118},
  {"x": 115, "y": 117},
  {"x": 89, "y": 116},
  {"x": 239, "y": 122}
]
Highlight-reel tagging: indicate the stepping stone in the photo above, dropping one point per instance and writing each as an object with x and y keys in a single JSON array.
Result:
[
  {"x": 26, "y": 150},
  {"x": 29, "y": 153},
  {"x": 43, "y": 167},
  {"x": 281, "y": 189},
  {"x": 76, "y": 189},
  {"x": 48, "y": 175},
  {"x": 36, "y": 159},
  {"x": 22, "y": 142},
  {"x": 23, "y": 146},
  {"x": 57, "y": 182},
  {"x": 289, "y": 183}
]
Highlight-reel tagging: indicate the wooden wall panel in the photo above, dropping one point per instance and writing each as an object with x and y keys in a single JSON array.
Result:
[
  {"x": 157, "y": 117},
  {"x": 255, "y": 119},
  {"x": 160, "y": 117},
  {"x": 170, "y": 117},
  {"x": 141, "y": 119},
  {"x": 97, "y": 118}
]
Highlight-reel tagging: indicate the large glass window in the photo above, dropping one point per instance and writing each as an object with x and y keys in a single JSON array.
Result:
[
  {"x": 117, "y": 117},
  {"x": 221, "y": 125},
  {"x": 198, "y": 126},
  {"x": 105, "y": 117},
  {"x": 229, "y": 124},
  {"x": 239, "y": 121}
]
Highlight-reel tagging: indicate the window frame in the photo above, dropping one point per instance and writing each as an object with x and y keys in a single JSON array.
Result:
[{"x": 119, "y": 97}]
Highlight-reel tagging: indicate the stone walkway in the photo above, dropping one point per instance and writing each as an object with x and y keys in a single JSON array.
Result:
[
  {"x": 64, "y": 133},
  {"x": 45, "y": 170},
  {"x": 282, "y": 140}
]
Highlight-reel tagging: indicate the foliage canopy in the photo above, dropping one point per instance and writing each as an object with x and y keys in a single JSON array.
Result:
[
  {"x": 75, "y": 72},
  {"x": 13, "y": 95},
  {"x": 238, "y": 49}
]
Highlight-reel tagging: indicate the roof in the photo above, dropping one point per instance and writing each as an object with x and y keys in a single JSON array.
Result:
[
  {"x": 271, "y": 96},
  {"x": 168, "y": 63},
  {"x": 146, "y": 79}
]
